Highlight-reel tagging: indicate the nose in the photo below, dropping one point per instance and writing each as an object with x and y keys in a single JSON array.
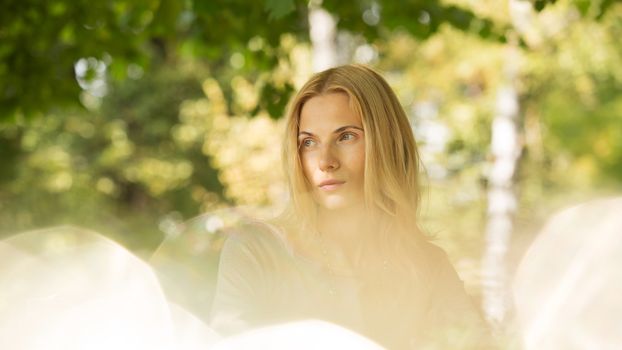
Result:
[{"x": 328, "y": 160}]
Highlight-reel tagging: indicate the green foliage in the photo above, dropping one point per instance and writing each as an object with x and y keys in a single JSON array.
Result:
[
  {"x": 196, "y": 88},
  {"x": 569, "y": 87},
  {"x": 279, "y": 8},
  {"x": 420, "y": 19},
  {"x": 588, "y": 8},
  {"x": 117, "y": 170},
  {"x": 573, "y": 83},
  {"x": 40, "y": 43}
]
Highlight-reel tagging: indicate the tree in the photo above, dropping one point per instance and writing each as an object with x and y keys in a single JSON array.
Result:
[
  {"x": 506, "y": 148},
  {"x": 40, "y": 43}
]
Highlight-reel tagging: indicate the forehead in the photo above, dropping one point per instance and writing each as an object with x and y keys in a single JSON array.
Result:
[{"x": 328, "y": 112}]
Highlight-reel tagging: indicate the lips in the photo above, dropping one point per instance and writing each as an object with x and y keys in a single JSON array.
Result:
[{"x": 330, "y": 185}]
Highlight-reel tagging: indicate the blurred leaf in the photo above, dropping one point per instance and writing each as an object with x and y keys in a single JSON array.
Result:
[{"x": 279, "y": 8}]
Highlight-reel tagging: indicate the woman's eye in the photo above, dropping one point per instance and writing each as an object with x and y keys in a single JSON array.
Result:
[
  {"x": 306, "y": 143},
  {"x": 347, "y": 137}
]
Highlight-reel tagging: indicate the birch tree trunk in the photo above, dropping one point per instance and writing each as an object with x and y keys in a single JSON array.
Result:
[
  {"x": 502, "y": 202},
  {"x": 323, "y": 33}
]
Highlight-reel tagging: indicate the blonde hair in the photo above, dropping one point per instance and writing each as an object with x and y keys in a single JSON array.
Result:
[{"x": 392, "y": 165}]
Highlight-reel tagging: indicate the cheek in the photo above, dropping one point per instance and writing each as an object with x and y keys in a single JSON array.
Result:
[
  {"x": 360, "y": 163},
  {"x": 305, "y": 162}
]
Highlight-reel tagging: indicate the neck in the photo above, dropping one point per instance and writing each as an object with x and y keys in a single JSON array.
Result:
[{"x": 344, "y": 230}]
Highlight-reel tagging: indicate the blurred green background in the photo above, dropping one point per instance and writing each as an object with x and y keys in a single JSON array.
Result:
[{"x": 130, "y": 117}]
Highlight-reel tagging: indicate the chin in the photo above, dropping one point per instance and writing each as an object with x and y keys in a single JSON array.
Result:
[{"x": 335, "y": 203}]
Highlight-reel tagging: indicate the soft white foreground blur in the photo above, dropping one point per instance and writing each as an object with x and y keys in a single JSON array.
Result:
[
  {"x": 568, "y": 287},
  {"x": 303, "y": 335},
  {"x": 68, "y": 288}
]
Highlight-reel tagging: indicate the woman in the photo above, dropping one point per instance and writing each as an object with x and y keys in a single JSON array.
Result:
[{"x": 349, "y": 249}]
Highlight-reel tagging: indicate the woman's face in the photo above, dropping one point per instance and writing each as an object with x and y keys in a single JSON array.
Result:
[{"x": 331, "y": 143}]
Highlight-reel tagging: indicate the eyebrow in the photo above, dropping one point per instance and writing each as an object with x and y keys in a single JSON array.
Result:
[{"x": 338, "y": 130}]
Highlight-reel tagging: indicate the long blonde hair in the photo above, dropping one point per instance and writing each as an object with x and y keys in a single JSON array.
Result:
[{"x": 392, "y": 164}]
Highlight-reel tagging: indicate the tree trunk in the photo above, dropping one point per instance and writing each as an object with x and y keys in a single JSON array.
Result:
[
  {"x": 502, "y": 201},
  {"x": 323, "y": 33}
]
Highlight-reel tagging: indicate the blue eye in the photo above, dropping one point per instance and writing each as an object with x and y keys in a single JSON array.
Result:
[
  {"x": 347, "y": 136},
  {"x": 306, "y": 143}
]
